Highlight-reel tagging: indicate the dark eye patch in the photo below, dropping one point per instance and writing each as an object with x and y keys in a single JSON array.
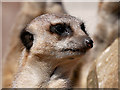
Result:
[
  {"x": 61, "y": 29},
  {"x": 27, "y": 39},
  {"x": 83, "y": 28}
]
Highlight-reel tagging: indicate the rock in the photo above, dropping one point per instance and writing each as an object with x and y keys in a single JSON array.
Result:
[{"x": 104, "y": 72}]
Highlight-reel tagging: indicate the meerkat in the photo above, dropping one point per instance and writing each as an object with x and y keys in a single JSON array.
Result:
[{"x": 52, "y": 45}]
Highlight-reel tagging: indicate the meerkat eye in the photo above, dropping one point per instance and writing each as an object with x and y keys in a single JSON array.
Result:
[
  {"x": 83, "y": 27},
  {"x": 61, "y": 29},
  {"x": 27, "y": 39}
]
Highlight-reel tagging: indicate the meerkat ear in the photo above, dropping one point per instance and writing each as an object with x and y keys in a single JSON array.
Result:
[{"x": 27, "y": 39}]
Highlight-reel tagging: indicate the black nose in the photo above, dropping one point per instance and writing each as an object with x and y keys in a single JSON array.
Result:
[{"x": 88, "y": 42}]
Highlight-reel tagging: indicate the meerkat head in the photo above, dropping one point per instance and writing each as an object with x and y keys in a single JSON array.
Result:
[{"x": 56, "y": 36}]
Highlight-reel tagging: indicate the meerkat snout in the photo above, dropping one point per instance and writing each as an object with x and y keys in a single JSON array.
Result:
[{"x": 88, "y": 42}]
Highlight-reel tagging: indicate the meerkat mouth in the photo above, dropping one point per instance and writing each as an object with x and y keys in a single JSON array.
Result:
[{"x": 74, "y": 50}]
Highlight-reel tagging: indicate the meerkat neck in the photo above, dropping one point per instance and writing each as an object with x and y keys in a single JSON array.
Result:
[
  {"x": 60, "y": 78},
  {"x": 44, "y": 74}
]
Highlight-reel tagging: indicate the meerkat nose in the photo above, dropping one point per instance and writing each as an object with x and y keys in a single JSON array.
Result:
[{"x": 88, "y": 42}]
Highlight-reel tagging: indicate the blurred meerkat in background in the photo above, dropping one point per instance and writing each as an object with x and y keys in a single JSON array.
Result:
[{"x": 108, "y": 25}]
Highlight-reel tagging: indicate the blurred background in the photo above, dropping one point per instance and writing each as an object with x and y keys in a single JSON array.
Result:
[{"x": 101, "y": 21}]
